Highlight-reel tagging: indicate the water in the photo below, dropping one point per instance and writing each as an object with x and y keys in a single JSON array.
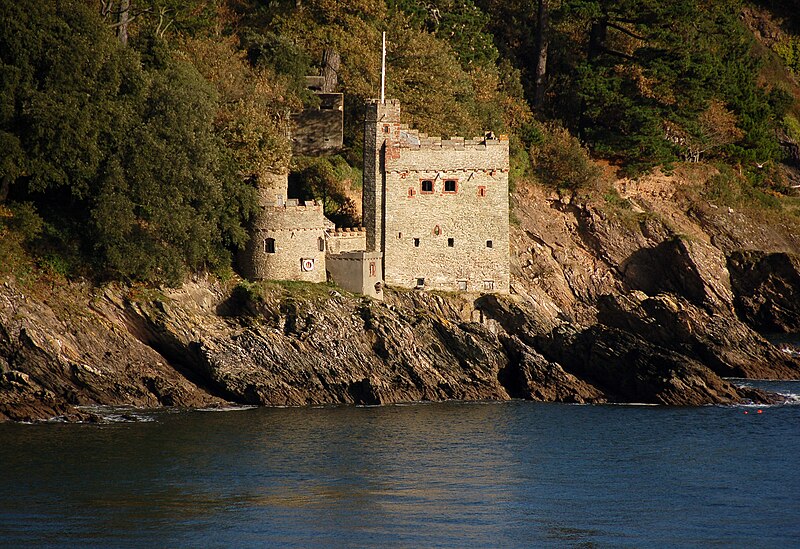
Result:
[{"x": 514, "y": 474}]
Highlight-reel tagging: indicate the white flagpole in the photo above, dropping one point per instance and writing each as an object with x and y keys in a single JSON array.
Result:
[{"x": 383, "y": 69}]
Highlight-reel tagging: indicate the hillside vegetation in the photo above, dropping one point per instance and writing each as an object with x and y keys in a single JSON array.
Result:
[{"x": 133, "y": 132}]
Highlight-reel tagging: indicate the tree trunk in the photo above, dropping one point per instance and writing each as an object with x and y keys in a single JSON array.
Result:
[
  {"x": 540, "y": 71},
  {"x": 122, "y": 21},
  {"x": 331, "y": 61}
]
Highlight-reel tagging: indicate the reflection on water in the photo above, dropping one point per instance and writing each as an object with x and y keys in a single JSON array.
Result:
[{"x": 508, "y": 474}]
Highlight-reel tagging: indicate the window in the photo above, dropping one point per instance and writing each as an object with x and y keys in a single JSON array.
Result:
[
  {"x": 416, "y": 242},
  {"x": 420, "y": 282},
  {"x": 450, "y": 185},
  {"x": 411, "y": 192},
  {"x": 399, "y": 235},
  {"x": 488, "y": 284},
  {"x": 462, "y": 285},
  {"x": 386, "y": 128},
  {"x": 372, "y": 268},
  {"x": 427, "y": 186},
  {"x": 269, "y": 245},
  {"x": 488, "y": 243},
  {"x": 321, "y": 243},
  {"x": 481, "y": 191},
  {"x": 451, "y": 242}
]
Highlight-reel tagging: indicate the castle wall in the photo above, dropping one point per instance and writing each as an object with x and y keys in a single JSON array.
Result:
[
  {"x": 347, "y": 240},
  {"x": 357, "y": 272},
  {"x": 320, "y": 130},
  {"x": 443, "y": 238},
  {"x": 381, "y": 125},
  {"x": 287, "y": 243}
]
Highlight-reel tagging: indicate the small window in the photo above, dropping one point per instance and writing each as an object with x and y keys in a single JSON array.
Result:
[
  {"x": 399, "y": 235},
  {"x": 427, "y": 185},
  {"x": 420, "y": 282},
  {"x": 372, "y": 268},
  {"x": 269, "y": 245},
  {"x": 386, "y": 128},
  {"x": 489, "y": 244},
  {"x": 462, "y": 285},
  {"x": 481, "y": 191},
  {"x": 450, "y": 185},
  {"x": 488, "y": 284},
  {"x": 451, "y": 242},
  {"x": 321, "y": 243},
  {"x": 411, "y": 192},
  {"x": 416, "y": 242}
]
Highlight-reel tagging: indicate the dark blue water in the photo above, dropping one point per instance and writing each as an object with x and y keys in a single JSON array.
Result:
[{"x": 512, "y": 474}]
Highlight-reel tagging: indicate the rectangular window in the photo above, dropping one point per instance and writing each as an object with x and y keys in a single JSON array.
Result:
[
  {"x": 488, "y": 284},
  {"x": 386, "y": 128},
  {"x": 372, "y": 268},
  {"x": 451, "y": 242},
  {"x": 321, "y": 242},
  {"x": 462, "y": 285},
  {"x": 416, "y": 242},
  {"x": 427, "y": 186},
  {"x": 450, "y": 185},
  {"x": 399, "y": 235},
  {"x": 269, "y": 245},
  {"x": 420, "y": 282},
  {"x": 481, "y": 191},
  {"x": 488, "y": 243}
]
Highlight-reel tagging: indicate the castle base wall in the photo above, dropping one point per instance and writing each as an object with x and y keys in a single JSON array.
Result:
[{"x": 357, "y": 272}]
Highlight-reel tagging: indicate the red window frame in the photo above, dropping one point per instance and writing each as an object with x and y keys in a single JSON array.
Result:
[
  {"x": 422, "y": 186},
  {"x": 455, "y": 186}
]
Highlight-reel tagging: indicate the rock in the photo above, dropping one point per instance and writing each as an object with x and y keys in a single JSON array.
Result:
[
  {"x": 767, "y": 289},
  {"x": 692, "y": 269},
  {"x": 629, "y": 369},
  {"x": 721, "y": 342}
]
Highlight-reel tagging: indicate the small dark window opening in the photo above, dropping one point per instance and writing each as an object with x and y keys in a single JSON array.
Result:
[
  {"x": 451, "y": 242},
  {"x": 420, "y": 282},
  {"x": 416, "y": 242},
  {"x": 269, "y": 245},
  {"x": 450, "y": 185},
  {"x": 481, "y": 191},
  {"x": 386, "y": 128},
  {"x": 427, "y": 186},
  {"x": 321, "y": 242},
  {"x": 488, "y": 243}
]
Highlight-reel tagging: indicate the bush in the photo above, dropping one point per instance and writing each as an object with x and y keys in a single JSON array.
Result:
[{"x": 560, "y": 161}]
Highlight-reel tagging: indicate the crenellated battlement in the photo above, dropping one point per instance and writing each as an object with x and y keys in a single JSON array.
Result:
[{"x": 347, "y": 231}]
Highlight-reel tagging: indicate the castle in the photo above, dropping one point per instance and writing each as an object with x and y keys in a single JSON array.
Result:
[{"x": 435, "y": 217}]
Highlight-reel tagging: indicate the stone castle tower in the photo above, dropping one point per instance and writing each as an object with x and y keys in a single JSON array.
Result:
[
  {"x": 287, "y": 238},
  {"x": 437, "y": 209}
]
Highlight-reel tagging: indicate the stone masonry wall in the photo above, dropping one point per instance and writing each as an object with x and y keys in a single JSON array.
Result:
[
  {"x": 357, "y": 272},
  {"x": 452, "y": 240},
  {"x": 346, "y": 240},
  {"x": 287, "y": 243}
]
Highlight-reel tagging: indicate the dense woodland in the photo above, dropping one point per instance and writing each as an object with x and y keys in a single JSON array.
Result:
[{"x": 133, "y": 132}]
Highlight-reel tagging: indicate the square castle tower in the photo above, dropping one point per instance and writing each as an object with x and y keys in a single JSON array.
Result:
[{"x": 437, "y": 209}]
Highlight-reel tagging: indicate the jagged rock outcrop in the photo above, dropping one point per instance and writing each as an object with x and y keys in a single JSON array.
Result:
[
  {"x": 767, "y": 288},
  {"x": 58, "y": 354},
  {"x": 721, "y": 342},
  {"x": 651, "y": 301}
]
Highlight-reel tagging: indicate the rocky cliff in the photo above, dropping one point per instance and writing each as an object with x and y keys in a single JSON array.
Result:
[{"x": 650, "y": 295}]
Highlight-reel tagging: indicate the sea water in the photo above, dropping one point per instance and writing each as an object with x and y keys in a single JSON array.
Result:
[{"x": 512, "y": 474}]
